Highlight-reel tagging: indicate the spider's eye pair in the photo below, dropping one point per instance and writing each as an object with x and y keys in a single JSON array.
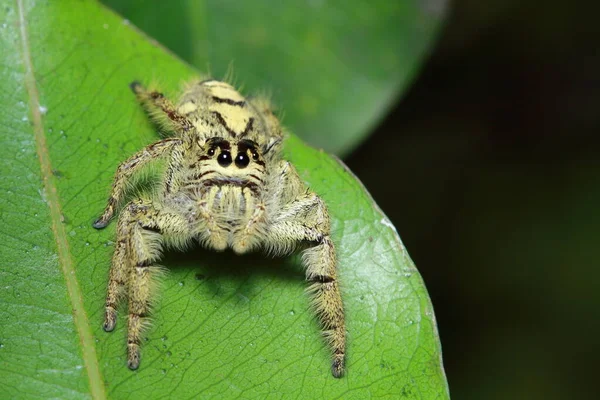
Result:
[{"x": 241, "y": 161}]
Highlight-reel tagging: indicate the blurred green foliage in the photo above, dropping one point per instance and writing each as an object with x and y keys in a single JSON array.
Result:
[{"x": 496, "y": 151}]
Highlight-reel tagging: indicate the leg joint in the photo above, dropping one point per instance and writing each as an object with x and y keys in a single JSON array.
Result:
[
  {"x": 143, "y": 263},
  {"x": 322, "y": 278}
]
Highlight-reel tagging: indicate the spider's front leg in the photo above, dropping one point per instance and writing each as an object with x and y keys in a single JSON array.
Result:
[
  {"x": 141, "y": 231},
  {"x": 161, "y": 109},
  {"x": 305, "y": 219},
  {"x": 128, "y": 168}
]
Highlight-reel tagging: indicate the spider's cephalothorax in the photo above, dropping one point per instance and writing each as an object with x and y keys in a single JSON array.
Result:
[{"x": 225, "y": 186}]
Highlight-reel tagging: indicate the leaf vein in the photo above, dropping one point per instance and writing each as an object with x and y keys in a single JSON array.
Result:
[{"x": 79, "y": 316}]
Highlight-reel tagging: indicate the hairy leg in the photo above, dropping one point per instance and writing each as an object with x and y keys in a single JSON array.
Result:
[
  {"x": 305, "y": 219},
  {"x": 126, "y": 170},
  {"x": 141, "y": 232},
  {"x": 119, "y": 271},
  {"x": 161, "y": 109}
]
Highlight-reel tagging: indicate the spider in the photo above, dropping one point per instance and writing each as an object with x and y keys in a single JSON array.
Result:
[{"x": 225, "y": 186}]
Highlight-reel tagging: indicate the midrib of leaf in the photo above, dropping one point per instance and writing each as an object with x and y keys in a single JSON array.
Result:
[{"x": 82, "y": 325}]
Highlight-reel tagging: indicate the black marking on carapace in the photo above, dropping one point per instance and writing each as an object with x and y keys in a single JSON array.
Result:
[
  {"x": 240, "y": 103},
  {"x": 248, "y": 127},
  {"x": 246, "y": 144},
  {"x": 219, "y": 142},
  {"x": 221, "y": 121}
]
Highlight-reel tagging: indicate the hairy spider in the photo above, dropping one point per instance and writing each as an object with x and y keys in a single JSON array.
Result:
[{"x": 225, "y": 186}]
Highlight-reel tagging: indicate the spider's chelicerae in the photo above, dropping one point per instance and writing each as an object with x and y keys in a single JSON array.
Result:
[{"x": 225, "y": 186}]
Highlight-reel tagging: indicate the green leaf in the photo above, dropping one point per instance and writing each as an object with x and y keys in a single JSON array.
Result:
[
  {"x": 225, "y": 326},
  {"x": 334, "y": 67}
]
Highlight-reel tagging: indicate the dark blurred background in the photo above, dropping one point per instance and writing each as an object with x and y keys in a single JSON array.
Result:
[{"x": 494, "y": 155}]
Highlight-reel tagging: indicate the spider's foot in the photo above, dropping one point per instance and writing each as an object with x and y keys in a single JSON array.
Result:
[
  {"x": 100, "y": 223},
  {"x": 136, "y": 87},
  {"x": 110, "y": 320},
  {"x": 337, "y": 366},
  {"x": 106, "y": 215},
  {"x": 133, "y": 356}
]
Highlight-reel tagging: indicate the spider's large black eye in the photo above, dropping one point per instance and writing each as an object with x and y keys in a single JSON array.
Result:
[
  {"x": 242, "y": 160},
  {"x": 224, "y": 159}
]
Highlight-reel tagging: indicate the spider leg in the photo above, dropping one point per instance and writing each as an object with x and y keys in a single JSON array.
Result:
[
  {"x": 305, "y": 219},
  {"x": 118, "y": 279},
  {"x": 161, "y": 109},
  {"x": 142, "y": 230},
  {"x": 126, "y": 169}
]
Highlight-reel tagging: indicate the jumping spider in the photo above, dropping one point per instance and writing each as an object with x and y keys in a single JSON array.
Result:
[{"x": 225, "y": 186}]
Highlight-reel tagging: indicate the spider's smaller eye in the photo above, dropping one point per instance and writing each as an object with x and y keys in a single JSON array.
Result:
[
  {"x": 242, "y": 160},
  {"x": 254, "y": 155},
  {"x": 211, "y": 151},
  {"x": 224, "y": 159}
]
